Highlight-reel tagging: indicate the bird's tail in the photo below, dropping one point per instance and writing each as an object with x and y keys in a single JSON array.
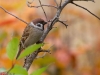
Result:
[{"x": 19, "y": 52}]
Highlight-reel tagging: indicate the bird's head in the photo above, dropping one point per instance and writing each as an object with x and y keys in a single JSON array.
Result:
[{"x": 38, "y": 23}]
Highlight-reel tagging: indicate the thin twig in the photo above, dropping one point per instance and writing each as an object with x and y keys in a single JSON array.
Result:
[
  {"x": 43, "y": 5},
  {"x": 43, "y": 10},
  {"x": 63, "y": 23},
  {"x": 85, "y": 0},
  {"x": 11, "y": 68},
  {"x": 56, "y": 2},
  {"x": 29, "y": 2},
  {"x": 13, "y": 15},
  {"x": 60, "y": 2},
  {"x": 31, "y": 6},
  {"x": 86, "y": 10},
  {"x": 45, "y": 52},
  {"x": 60, "y": 20}
]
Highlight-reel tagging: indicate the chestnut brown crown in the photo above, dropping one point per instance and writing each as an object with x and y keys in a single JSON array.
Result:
[{"x": 39, "y": 20}]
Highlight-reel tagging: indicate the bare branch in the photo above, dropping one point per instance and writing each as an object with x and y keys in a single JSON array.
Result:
[
  {"x": 86, "y": 10},
  {"x": 56, "y": 2},
  {"x": 13, "y": 15},
  {"x": 63, "y": 23},
  {"x": 28, "y": 4},
  {"x": 60, "y": 20},
  {"x": 45, "y": 52},
  {"x": 60, "y": 2},
  {"x": 43, "y": 10},
  {"x": 55, "y": 19},
  {"x": 84, "y": 0},
  {"x": 43, "y": 5},
  {"x": 29, "y": 59}
]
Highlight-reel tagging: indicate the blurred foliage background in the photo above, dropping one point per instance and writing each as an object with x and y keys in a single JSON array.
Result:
[{"x": 76, "y": 49}]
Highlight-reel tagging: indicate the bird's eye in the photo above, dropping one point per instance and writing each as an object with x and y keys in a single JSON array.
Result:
[{"x": 39, "y": 25}]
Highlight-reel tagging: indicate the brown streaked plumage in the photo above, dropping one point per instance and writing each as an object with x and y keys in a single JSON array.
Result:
[{"x": 32, "y": 33}]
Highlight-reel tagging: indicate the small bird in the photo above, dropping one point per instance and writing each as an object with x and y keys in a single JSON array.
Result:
[{"x": 32, "y": 33}]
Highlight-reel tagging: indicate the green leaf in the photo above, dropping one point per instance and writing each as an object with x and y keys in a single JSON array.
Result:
[
  {"x": 12, "y": 48},
  {"x": 29, "y": 50},
  {"x": 39, "y": 71},
  {"x": 19, "y": 70}
]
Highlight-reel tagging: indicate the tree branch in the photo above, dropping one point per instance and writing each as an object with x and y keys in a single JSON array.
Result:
[
  {"x": 45, "y": 52},
  {"x": 63, "y": 23},
  {"x": 29, "y": 59},
  {"x": 55, "y": 19},
  {"x": 47, "y": 30},
  {"x": 60, "y": 2},
  {"x": 84, "y": 0},
  {"x": 56, "y": 2},
  {"x": 86, "y": 10},
  {"x": 28, "y": 4},
  {"x": 43, "y": 10},
  {"x": 13, "y": 15},
  {"x": 42, "y": 5}
]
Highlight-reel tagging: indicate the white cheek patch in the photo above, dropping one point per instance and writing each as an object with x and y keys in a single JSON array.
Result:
[{"x": 33, "y": 25}]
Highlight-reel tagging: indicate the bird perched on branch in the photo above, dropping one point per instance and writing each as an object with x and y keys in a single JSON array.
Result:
[{"x": 31, "y": 34}]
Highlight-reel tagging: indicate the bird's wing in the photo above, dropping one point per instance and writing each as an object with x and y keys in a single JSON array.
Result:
[{"x": 25, "y": 35}]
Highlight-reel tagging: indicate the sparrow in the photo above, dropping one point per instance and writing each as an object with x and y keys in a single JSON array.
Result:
[{"x": 31, "y": 35}]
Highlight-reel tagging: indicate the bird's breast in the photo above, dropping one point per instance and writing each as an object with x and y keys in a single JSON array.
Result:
[{"x": 35, "y": 35}]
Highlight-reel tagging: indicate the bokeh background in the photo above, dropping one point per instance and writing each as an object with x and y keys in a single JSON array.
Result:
[{"x": 75, "y": 51}]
